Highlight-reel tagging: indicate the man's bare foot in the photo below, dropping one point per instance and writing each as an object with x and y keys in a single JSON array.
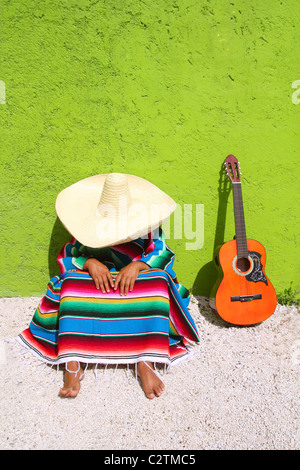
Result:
[
  {"x": 151, "y": 383},
  {"x": 71, "y": 380}
]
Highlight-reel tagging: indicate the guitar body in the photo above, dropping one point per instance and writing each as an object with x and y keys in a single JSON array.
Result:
[{"x": 243, "y": 295}]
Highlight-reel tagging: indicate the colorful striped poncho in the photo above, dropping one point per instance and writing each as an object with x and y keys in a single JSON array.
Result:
[{"x": 76, "y": 321}]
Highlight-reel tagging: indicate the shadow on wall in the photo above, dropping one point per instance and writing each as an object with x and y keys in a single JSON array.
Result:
[
  {"x": 208, "y": 274},
  {"x": 59, "y": 237}
]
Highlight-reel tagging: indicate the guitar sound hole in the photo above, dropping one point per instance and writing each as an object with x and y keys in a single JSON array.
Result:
[{"x": 243, "y": 264}]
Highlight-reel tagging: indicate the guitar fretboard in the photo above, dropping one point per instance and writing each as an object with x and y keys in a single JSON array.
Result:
[{"x": 240, "y": 230}]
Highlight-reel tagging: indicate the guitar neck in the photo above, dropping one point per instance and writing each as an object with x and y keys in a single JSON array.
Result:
[{"x": 240, "y": 230}]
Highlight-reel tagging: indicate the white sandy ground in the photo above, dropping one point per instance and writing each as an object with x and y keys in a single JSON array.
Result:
[{"x": 240, "y": 391}]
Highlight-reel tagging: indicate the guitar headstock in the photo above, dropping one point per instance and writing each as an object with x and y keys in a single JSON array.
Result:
[{"x": 233, "y": 169}]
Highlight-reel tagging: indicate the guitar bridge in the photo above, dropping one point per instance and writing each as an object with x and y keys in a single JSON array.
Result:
[{"x": 245, "y": 298}]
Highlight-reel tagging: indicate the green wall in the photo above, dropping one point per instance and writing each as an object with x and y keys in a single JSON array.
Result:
[{"x": 161, "y": 89}]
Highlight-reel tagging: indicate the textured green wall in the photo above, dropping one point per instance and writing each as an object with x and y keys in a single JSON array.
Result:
[{"x": 161, "y": 89}]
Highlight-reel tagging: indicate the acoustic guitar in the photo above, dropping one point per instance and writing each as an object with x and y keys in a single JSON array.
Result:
[{"x": 242, "y": 295}]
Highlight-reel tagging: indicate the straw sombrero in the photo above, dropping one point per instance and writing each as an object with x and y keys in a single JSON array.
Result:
[{"x": 105, "y": 210}]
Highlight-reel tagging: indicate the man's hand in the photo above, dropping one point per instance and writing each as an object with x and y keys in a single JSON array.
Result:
[
  {"x": 100, "y": 274},
  {"x": 127, "y": 276}
]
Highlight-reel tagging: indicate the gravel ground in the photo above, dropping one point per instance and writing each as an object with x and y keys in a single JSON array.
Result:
[{"x": 239, "y": 391}]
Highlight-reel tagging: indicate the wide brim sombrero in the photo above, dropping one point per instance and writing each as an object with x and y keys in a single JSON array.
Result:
[{"x": 109, "y": 209}]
